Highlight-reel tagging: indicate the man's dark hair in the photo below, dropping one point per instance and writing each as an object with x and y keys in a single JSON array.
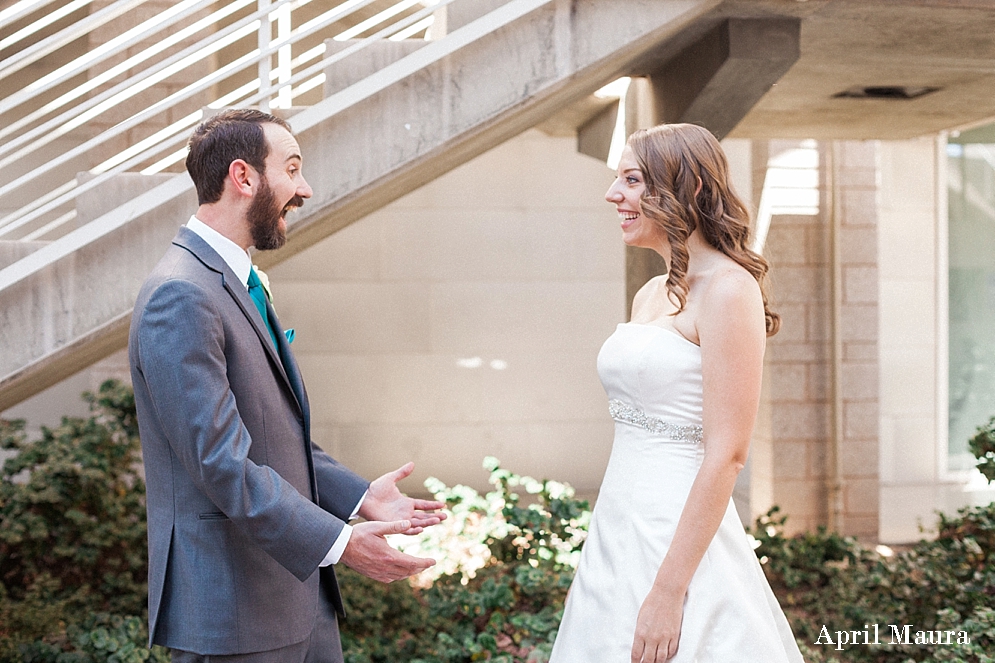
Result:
[{"x": 232, "y": 134}]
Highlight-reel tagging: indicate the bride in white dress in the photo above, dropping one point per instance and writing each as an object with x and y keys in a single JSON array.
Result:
[{"x": 667, "y": 573}]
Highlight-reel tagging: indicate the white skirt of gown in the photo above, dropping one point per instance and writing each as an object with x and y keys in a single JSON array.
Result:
[{"x": 730, "y": 612}]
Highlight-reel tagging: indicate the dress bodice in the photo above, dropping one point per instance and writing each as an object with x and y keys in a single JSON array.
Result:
[{"x": 654, "y": 370}]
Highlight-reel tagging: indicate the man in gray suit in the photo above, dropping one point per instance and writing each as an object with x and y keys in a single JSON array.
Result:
[{"x": 246, "y": 515}]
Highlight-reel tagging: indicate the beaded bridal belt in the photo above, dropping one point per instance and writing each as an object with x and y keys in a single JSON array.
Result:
[{"x": 678, "y": 432}]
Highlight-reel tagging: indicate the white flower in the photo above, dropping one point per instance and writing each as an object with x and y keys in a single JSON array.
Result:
[{"x": 264, "y": 281}]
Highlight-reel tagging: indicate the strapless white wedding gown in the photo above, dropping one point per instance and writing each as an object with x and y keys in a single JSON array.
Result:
[{"x": 653, "y": 379}]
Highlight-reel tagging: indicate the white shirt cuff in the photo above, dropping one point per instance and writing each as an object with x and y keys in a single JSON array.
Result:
[
  {"x": 335, "y": 553},
  {"x": 359, "y": 505}
]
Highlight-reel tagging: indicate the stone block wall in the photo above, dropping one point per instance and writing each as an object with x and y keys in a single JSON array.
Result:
[
  {"x": 857, "y": 180},
  {"x": 797, "y": 366},
  {"x": 797, "y": 418}
]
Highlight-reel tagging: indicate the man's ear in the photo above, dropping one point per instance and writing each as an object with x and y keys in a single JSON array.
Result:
[{"x": 242, "y": 178}]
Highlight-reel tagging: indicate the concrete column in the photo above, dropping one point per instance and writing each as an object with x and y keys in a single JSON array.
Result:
[
  {"x": 858, "y": 365},
  {"x": 789, "y": 470},
  {"x": 640, "y": 264},
  {"x": 797, "y": 468},
  {"x": 716, "y": 80},
  {"x": 594, "y": 138}
]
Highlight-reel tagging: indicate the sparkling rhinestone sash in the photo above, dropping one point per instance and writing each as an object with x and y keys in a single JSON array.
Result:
[{"x": 625, "y": 413}]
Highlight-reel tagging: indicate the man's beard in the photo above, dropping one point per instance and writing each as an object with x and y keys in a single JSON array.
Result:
[{"x": 264, "y": 218}]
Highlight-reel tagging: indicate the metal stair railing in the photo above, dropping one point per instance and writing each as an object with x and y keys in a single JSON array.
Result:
[
  {"x": 309, "y": 117},
  {"x": 19, "y": 10},
  {"x": 49, "y": 45},
  {"x": 171, "y": 136},
  {"x": 78, "y": 115},
  {"x": 106, "y": 51},
  {"x": 28, "y": 7},
  {"x": 273, "y": 87}
]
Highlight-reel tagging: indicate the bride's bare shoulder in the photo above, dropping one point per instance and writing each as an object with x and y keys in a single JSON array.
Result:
[
  {"x": 651, "y": 297},
  {"x": 731, "y": 294}
]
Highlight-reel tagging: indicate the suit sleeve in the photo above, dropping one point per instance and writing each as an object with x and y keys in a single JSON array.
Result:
[
  {"x": 339, "y": 488},
  {"x": 181, "y": 354}
]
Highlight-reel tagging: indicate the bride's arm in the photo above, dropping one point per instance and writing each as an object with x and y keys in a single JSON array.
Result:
[{"x": 731, "y": 331}]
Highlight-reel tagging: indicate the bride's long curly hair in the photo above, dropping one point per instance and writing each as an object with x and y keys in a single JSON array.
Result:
[{"x": 673, "y": 158}]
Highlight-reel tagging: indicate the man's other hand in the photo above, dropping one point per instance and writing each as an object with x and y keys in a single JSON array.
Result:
[{"x": 385, "y": 502}]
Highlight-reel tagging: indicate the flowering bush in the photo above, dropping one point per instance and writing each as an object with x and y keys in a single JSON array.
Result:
[
  {"x": 459, "y": 543},
  {"x": 497, "y": 592},
  {"x": 482, "y": 530}
]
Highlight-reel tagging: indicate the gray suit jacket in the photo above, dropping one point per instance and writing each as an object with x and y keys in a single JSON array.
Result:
[{"x": 242, "y": 505}]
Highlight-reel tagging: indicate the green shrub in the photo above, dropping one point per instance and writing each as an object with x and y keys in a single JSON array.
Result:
[
  {"x": 806, "y": 562},
  {"x": 100, "y": 638},
  {"x": 944, "y": 584},
  {"x": 982, "y": 445},
  {"x": 73, "y": 538}
]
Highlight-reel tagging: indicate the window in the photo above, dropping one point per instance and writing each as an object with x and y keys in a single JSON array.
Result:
[{"x": 971, "y": 195}]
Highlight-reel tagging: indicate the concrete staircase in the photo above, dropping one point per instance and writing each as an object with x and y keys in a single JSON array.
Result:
[{"x": 390, "y": 121}]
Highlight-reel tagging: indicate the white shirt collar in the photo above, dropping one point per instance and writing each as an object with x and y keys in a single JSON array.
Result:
[{"x": 233, "y": 254}]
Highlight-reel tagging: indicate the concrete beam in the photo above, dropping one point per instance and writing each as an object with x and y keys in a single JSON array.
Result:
[
  {"x": 12, "y": 250},
  {"x": 567, "y": 121},
  {"x": 715, "y": 81},
  {"x": 66, "y": 360},
  {"x": 594, "y": 138},
  {"x": 461, "y": 13}
]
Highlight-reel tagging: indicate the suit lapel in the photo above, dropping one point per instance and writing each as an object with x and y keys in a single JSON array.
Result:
[{"x": 192, "y": 242}]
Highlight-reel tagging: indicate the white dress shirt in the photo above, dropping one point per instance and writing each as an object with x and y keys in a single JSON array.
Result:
[{"x": 238, "y": 259}]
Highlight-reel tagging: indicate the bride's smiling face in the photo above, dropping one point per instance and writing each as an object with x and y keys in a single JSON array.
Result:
[{"x": 625, "y": 193}]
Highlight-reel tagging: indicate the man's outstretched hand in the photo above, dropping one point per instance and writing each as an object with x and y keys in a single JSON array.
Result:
[
  {"x": 385, "y": 502},
  {"x": 369, "y": 553}
]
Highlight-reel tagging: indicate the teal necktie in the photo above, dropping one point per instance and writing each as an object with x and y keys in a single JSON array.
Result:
[{"x": 259, "y": 299}]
